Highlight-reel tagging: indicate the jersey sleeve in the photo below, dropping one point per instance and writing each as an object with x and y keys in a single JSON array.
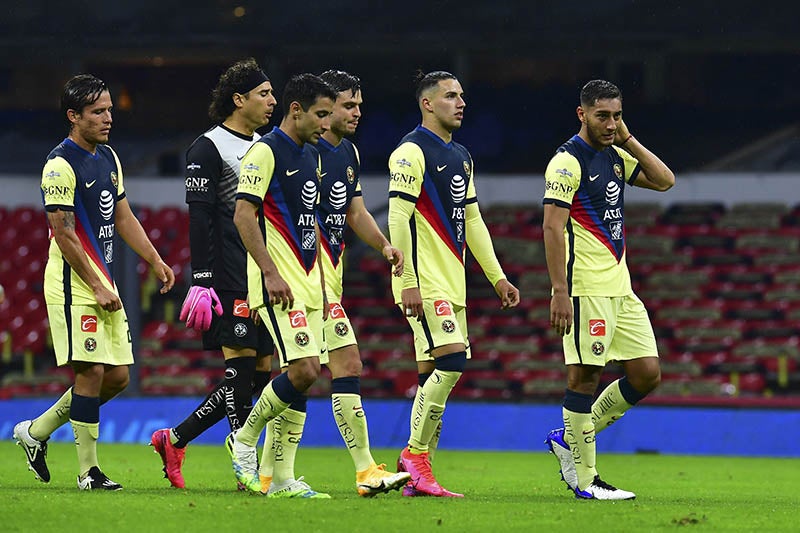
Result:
[
  {"x": 561, "y": 180},
  {"x": 406, "y": 172},
  {"x": 58, "y": 185},
  {"x": 120, "y": 180},
  {"x": 203, "y": 171},
  {"x": 631, "y": 165},
  {"x": 472, "y": 193},
  {"x": 255, "y": 174}
]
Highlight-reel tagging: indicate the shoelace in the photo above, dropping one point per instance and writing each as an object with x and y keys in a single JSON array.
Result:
[
  {"x": 602, "y": 484},
  {"x": 425, "y": 471}
]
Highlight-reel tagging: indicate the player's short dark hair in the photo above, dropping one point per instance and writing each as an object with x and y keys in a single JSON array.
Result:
[
  {"x": 241, "y": 77},
  {"x": 80, "y": 91},
  {"x": 305, "y": 89},
  {"x": 341, "y": 81},
  {"x": 599, "y": 90},
  {"x": 426, "y": 81}
]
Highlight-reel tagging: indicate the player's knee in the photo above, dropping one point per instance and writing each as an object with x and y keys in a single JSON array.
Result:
[
  {"x": 304, "y": 372},
  {"x": 452, "y": 362}
]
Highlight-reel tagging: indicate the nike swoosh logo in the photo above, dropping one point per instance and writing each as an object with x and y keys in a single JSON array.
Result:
[
  {"x": 440, "y": 168},
  {"x": 323, "y": 174},
  {"x": 592, "y": 178},
  {"x": 240, "y": 157},
  {"x": 588, "y": 432},
  {"x": 294, "y": 432},
  {"x": 292, "y": 172},
  {"x": 90, "y": 183}
]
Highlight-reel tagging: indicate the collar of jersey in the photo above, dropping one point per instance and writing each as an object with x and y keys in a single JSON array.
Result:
[
  {"x": 73, "y": 144},
  {"x": 281, "y": 134},
  {"x": 586, "y": 145},
  {"x": 328, "y": 146},
  {"x": 438, "y": 139}
]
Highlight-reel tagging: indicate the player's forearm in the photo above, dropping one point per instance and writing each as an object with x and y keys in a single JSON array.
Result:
[
  {"x": 400, "y": 213},
  {"x": 72, "y": 250},
  {"x": 200, "y": 214},
  {"x": 480, "y": 244},
  {"x": 367, "y": 230},
  {"x": 657, "y": 172},
  {"x": 556, "y": 257},
  {"x": 253, "y": 240},
  {"x": 134, "y": 235}
]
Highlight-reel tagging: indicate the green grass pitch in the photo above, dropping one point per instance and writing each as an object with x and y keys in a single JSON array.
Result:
[{"x": 504, "y": 492}]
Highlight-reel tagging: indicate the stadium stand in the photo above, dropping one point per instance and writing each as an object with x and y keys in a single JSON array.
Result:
[{"x": 721, "y": 283}]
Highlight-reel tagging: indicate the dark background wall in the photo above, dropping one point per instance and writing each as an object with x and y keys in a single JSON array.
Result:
[{"x": 701, "y": 79}]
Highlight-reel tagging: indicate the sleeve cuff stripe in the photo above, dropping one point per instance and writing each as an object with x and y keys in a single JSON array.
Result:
[{"x": 559, "y": 203}]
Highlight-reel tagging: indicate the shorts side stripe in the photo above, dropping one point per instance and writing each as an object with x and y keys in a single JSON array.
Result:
[
  {"x": 278, "y": 337},
  {"x": 66, "y": 277},
  {"x": 576, "y": 323}
]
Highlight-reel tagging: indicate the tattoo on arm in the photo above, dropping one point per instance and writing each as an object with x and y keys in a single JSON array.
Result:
[{"x": 69, "y": 220}]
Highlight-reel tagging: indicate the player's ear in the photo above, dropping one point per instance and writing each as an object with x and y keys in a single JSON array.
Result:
[{"x": 581, "y": 115}]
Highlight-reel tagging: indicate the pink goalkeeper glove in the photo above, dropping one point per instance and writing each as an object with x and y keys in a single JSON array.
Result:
[{"x": 196, "y": 310}]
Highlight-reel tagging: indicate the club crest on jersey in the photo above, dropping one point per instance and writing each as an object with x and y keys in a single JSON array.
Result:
[
  {"x": 240, "y": 330},
  {"x": 301, "y": 339},
  {"x": 114, "y": 179},
  {"x": 466, "y": 168},
  {"x": 351, "y": 174},
  {"x": 618, "y": 170},
  {"x": 448, "y": 326},
  {"x": 240, "y": 308},
  {"x": 341, "y": 329},
  {"x": 597, "y": 327},
  {"x": 297, "y": 319},
  {"x": 88, "y": 323},
  {"x": 598, "y": 348},
  {"x": 90, "y": 344}
]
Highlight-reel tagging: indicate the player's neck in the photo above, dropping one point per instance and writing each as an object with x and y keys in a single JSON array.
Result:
[
  {"x": 440, "y": 131},
  {"x": 332, "y": 138},
  {"x": 584, "y": 135},
  {"x": 239, "y": 125},
  {"x": 287, "y": 127},
  {"x": 83, "y": 143}
]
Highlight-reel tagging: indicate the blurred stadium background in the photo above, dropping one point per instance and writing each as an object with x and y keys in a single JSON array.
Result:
[{"x": 709, "y": 87}]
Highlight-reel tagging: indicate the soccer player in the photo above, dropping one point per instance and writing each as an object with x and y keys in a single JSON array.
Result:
[
  {"x": 84, "y": 196},
  {"x": 275, "y": 215},
  {"x": 242, "y": 101},
  {"x": 340, "y": 204},
  {"x": 433, "y": 217},
  {"x": 593, "y": 306}
]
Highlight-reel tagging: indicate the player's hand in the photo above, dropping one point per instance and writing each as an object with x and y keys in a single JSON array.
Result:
[
  {"x": 278, "y": 291},
  {"x": 622, "y": 133},
  {"x": 196, "y": 310},
  {"x": 509, "y": 294},
  {"x": 165, "y": 274},
  {"x": 395, "y": 257},
  {"x": 107, "y": 299},
  {"x": 561, "y": 314},
  {"x": 411, "y": 302}
]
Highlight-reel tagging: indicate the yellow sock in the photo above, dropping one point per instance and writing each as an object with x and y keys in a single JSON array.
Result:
[
  {"x": 580, "y": 434},
  {"x": 429, "y": 407},
  {"x": 352, "y": 423},
  {"x": 266, "y": 408},
  {"x": 288, "y": 430},
  {"x": 52, "y": 419},
  {"x": 609, "y": 407},
  {"x": 267, "y": 463},
  {"x": 86, "y": 434}
]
